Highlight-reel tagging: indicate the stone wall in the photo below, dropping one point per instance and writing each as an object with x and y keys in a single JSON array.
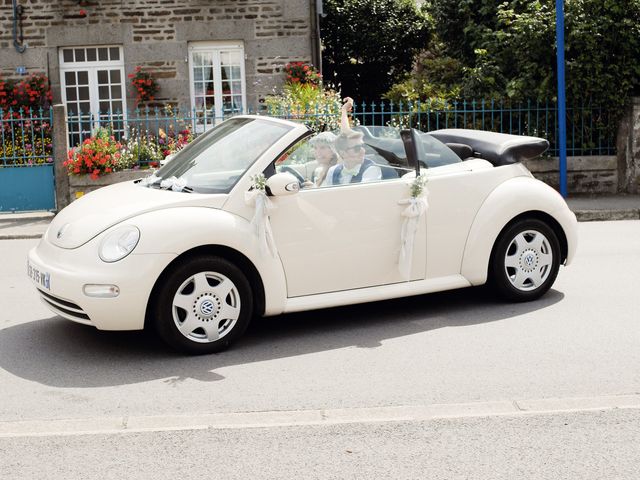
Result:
[
  {"x": 585, "y": 175},
  {"x": 155, "y": 35},
  {"x": 601, "y": 174}
]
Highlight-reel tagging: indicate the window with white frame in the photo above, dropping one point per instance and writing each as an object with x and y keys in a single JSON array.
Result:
[
  {"x": 217, "y": 81},
  {"x": 93, "y": 88}
]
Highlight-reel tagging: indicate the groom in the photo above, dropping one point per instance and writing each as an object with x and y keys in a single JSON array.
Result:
[{"x": 355, "y": 168}]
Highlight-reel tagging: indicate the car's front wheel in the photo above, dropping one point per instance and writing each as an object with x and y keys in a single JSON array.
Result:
[
  {"x": 525, "y": 260},
  {"x": 204, "y": 304}
]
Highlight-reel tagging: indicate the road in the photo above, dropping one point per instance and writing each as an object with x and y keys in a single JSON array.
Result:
[{"x": 450, "y": 385}]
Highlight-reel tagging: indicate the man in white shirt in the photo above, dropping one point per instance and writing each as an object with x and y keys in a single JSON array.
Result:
[{"x": 355, "y": 167}]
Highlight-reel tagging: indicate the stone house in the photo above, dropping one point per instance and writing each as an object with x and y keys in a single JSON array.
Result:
[{"x": 220, "y": 55}]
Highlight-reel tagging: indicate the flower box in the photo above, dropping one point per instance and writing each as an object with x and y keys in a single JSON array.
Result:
[{"x": 80, "y": 185}]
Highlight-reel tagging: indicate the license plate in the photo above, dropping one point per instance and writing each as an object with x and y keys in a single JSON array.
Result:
[{"x": 38, "y": 276}]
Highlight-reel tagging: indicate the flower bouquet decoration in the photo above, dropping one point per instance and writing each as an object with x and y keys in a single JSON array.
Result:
[
  {"x": 416, "y": 207},
  {"x": 260, "y": 224}
]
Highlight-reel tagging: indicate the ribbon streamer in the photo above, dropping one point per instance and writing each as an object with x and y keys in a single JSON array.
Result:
[
  {"x": 173, "y": 183},
  {"x": 412, "y": 214},
  {"x": 260, "y": 223}
]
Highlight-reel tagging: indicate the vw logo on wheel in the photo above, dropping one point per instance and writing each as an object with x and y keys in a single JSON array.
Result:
[{"x": 207, "y": 307}]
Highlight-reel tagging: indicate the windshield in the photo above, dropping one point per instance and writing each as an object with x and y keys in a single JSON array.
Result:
[{"x": 215, "y": 161}]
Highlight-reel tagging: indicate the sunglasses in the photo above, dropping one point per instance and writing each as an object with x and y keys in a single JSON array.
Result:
[{"x": 354, "y": 148}]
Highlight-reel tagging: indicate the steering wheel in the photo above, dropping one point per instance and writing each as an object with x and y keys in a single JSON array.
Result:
[{"x": 293, "y": 172}]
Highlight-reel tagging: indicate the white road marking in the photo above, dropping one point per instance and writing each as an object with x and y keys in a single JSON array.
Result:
[{"x": 292, "y": 418}]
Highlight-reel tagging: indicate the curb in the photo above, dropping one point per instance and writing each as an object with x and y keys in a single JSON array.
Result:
[
  {"x": 319, "y": 417},
  {"x": 607, "y": 215},
  {"x": 24, "y": 226},
  {"x": 32, "y": 236},
  {"x": 26, "y": 217}
]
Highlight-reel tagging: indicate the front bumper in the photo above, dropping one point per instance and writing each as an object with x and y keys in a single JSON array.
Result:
[{"x": 60, "y": 275}]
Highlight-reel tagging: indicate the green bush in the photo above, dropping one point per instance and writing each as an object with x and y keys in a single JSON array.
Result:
[
  {"x": 506, "y": 50},
  {"x": 317, "y": 106}
]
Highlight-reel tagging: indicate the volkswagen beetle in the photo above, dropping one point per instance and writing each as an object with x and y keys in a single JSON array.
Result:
[{"x": 235, "y": 227}]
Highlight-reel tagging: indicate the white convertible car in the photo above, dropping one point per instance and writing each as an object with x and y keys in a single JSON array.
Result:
[{"x": 236, "y": 226}]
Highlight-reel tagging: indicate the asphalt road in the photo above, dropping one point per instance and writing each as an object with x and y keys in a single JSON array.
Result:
[{"x": 450, "y": 385}]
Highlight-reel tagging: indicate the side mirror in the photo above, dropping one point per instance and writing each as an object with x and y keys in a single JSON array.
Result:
[{"x": 282, "y": 184}]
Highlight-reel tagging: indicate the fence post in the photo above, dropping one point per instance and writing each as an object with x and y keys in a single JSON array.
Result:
[
  {"x": 628, "y": 144},
  {"x": 60, "y": 147}
]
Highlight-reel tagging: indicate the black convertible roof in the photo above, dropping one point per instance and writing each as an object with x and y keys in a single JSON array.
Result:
[{"x": 497, "y": 148}]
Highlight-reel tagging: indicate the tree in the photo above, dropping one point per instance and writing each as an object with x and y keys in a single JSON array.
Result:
[
  {"x": 369, "y": 44},
  {"x": 462, "y": 24},
  {"x": 506, "y": 49}
]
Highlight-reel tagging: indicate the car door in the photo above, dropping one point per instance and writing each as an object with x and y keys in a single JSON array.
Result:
[{"x": 344, "y": 237}]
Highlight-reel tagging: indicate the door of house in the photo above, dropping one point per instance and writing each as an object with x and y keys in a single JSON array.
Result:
[
  {"x": 217, "y": 81},
  {"x": 93, "y": 89}
]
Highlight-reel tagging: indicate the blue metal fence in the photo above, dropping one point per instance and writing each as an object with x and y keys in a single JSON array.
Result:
[
  {"x": 25, "y": 137},
  {"x": 26, "y": 160},
  {"x": 591, "y": 129},
  {"x": 139, "y": 122}
]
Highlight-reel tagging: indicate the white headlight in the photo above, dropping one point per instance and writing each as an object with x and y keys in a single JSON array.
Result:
[{"x": 119, "y": 243}]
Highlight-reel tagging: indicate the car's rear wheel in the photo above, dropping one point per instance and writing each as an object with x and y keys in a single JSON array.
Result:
[
  {"x": 203, "y": 306},
  {"x": 525, "y": 260}
]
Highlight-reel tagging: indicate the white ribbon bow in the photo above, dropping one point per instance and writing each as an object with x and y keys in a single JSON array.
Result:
[
  {"x": 151, "y": 179},
  {"x": 175, "y": 184},
  {"x": 412, "y": 214},
  {"x": 260, "y": 223}
]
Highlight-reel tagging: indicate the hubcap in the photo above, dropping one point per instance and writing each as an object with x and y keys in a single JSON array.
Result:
[
  {"x": 206, "y": 307},
  {"x": 528, "y": 260}
]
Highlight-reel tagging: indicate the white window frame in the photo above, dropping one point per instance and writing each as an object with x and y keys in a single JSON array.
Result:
[
  {"x": 216, "y": 48},
  {"x": 92, "y": 68}
]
